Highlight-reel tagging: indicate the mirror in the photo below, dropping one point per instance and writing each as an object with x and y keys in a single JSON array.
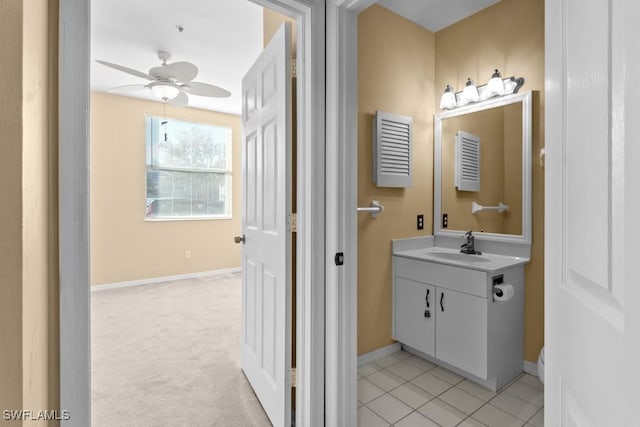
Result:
[{"x": 482, "y": 163}]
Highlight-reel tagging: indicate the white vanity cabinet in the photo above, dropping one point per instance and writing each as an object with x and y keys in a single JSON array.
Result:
[
  {"x": 461, "y": 331},
  {"x": 416, "y": 324},
  {"x": 447, "y": 314}
]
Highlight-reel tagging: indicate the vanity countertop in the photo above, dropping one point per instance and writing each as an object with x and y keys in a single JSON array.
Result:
[{"x": 484, "y": 262}]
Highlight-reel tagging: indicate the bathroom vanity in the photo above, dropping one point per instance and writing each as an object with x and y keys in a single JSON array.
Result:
[
  {"x": 445, "y": 310},
  {"x": 464, "y": 310}
]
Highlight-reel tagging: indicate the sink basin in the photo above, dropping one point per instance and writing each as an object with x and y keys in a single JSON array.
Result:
[{"x": 453, "y": 256}]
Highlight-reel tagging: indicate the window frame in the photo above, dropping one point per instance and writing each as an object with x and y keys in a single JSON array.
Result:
[{"x": 150, "y": 128}]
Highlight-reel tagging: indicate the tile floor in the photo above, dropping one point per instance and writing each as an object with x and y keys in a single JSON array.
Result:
[{"x": 404, "y": 390}]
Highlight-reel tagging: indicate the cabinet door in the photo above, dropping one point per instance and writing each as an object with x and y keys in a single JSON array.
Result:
[
  {"x": 461, "y": 331},
  {"x": 414, "y": 314}
]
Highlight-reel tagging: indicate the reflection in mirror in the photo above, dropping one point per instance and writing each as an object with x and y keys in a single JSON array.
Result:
[
  {"x": 501, "y": 174},
  {"x": 500, "y": 170}
]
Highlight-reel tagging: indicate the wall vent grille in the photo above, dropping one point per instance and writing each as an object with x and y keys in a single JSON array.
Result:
[
  {"x": 392, "y": 136},
  {"x": 467, "y": 170}
]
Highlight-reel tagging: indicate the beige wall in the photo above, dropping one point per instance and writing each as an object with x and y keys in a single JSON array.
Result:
[
  {"x": 400, "y": 67},
  {"x": 395, "y": 74},
  {"x": 271, "y": 22},
  {"x": 509, "y": 36},
  {"x": 28, "y": 230},
  {"x": 123, "y": 245}
]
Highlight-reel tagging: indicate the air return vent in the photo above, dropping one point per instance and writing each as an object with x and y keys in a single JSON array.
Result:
[
  {"x": 467, "y": 170},
  {"x": 392, "y": 150}
]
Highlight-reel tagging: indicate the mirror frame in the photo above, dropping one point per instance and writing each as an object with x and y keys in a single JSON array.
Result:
[{"x": 526, "y": 100}]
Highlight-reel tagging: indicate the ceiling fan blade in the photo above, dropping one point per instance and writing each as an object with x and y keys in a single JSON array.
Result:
[
  {"x": 179, "y": 71},
  {"x": 181, "y": 100},
  {"x": 125, "y": 69},
  {"x": 128, "y": 88},
  {"x": 205, "y": 89}
]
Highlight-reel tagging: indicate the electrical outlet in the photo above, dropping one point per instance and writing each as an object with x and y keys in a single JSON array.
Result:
[
  {"x": 445, "y": 220},
  {"x": 420, "y": 223},
  {"x": 187, "y": 254}
]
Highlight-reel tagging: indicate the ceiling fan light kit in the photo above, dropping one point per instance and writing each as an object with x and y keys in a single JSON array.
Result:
[
  {"x": 164, "y": 91},
  {"x": 170, "y": 81}
]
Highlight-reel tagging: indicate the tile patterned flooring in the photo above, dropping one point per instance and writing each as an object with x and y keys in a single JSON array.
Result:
[{"x": 404, "y": 390}]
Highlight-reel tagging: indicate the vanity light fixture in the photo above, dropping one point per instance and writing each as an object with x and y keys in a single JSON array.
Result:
[
  {"x": 495, "y": 86},
  {"x": 470, "y": 92},
  {"x": 448, "y": 100}
]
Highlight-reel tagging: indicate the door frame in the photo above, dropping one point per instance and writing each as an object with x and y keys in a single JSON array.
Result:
[
  {"x": 74, "y": 213},
  {"x": 341, "y": 220}
]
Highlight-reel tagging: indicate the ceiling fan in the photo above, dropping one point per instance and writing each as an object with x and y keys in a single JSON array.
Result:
[{"x": 170, "y": 82}]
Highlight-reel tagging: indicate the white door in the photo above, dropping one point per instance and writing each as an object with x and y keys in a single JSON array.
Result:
[
  {"x": 266, "y": 204},
  {"x": 591, "y": 220}
]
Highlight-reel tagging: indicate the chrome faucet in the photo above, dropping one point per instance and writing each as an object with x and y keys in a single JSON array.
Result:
[{"x": 469, "y": 246}]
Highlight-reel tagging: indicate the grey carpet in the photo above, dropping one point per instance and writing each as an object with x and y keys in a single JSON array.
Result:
[{"x": 169, "y": 355}]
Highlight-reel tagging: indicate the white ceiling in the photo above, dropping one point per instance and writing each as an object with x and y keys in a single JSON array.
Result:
[
  {"x": 435, "y": 15},
  {"x": 222, "y": 37}
]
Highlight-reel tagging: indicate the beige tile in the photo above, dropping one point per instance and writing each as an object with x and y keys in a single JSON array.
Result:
[
  {"x": 477, "y": 390},
  {"x": 387, "y": 361},
  {"x": 446, "y": 375},
  {"x": 368, "y": 418},
  {"x": 431, "y": 384},
  {"x": 415, "y": 419},
  {"x": 405, "y": 370},
  {"x": 514, "y": 405},
  {"x": 412, "y": 395},
  {"x": 367, "y": 391},
  {"x": 532, "y": 381},
  {"x": 385, "y": 380},
  {"x": 389, "y": 408},
  {"x": 442, "y": 413},
  {"x": 402, "y": 355},
  {"x": 368, "y": 369},
  {"x": 494, "y": 417},
  {"x": 526, "y": 393},
  {"x": 471, "y": 422},
  {"x": 538, "y": 419},
  {"x": 420, "y": 363},
  {"x": 461, "y": 400}
]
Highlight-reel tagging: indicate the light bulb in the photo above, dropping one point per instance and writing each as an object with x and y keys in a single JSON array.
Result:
[
  {"x": 470, "y": 92},
  {"x": 164, "y": 91},
  {"x": 495, "y": 86},
  {"x": 448, "y": 100}
]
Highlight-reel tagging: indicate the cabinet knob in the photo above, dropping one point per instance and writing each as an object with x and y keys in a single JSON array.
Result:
[{"x": 441, "y": 301}]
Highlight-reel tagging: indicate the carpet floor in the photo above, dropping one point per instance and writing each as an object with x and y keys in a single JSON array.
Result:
[{"x": 168, "y": 354}]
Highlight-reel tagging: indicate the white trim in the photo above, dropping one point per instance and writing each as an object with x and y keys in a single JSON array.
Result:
[
  {"x": 374, "y": 355},
  {"x": 530, "y": 368},
  {"x": 342, "y": 226},
  {"x": 130, "y": 283},
  {"x": 75, "y": 373}
]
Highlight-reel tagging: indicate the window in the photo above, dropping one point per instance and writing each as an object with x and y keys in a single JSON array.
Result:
[{"x": 188, "y": 170}]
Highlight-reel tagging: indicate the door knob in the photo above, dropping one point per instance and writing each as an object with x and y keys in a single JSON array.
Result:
[{"x": 239, "y": 239}]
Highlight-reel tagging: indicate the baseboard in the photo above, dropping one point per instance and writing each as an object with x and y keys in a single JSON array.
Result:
[
  {"x": 530, "y": 368},
  {"x": 378, "y": 354},
  {"x": 210, "y": 273}
]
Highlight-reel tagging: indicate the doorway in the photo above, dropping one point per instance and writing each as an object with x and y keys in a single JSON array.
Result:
[{"x": 74, "y": 210}]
